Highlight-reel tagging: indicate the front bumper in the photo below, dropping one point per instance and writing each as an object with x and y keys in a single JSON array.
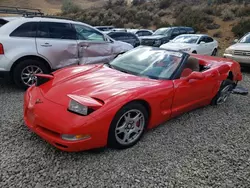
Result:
[
  {"x": 244, "y": 60},
  {"x": 49, "y": 120}
]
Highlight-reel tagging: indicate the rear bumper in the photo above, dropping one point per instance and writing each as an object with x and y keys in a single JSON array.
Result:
[
  {"x": 243, "y": 60},
  {"x": 50, "y": 121}
]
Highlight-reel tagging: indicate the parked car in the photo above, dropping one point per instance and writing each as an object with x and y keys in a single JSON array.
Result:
[
  {"x": 41, "y": 45},
  {"x": 104, "y": 28},
  {"x": 164, "y": 35},
  {"x": 141, "y": 32},
  {"x": 125, "y": 37},
  {"x": 240, "y": 51},
  {"x": 193, "y": 43},
  {"x": 92, "y": 106}
]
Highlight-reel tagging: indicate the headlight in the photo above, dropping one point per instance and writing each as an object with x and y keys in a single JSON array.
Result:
[
  {"x": 71, "y": 137},
  {"x": 186, "y": 49},
  {"x": 229, "y": 51},
  {"x": 157, "y": 42},
  {"x": 77, "y": 108}
]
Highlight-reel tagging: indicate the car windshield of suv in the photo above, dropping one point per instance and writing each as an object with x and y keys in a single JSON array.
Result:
[
  {"x": 162, "y": 31},
  {"x": 186, "y": 39},
  {"x": 245, "y": 39},
  {"x": 148, "y": 62}
]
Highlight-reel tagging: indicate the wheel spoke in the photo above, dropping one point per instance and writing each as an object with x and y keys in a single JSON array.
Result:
[
  {"x": 127, "y": 117},
  {"x": 137, "y": 117},
  {"x": 126, "y": 137},
  {"x": 121, "y": 129}
]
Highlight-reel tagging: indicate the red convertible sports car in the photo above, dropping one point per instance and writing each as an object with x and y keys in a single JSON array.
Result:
[{"x": 92, "y": 106}]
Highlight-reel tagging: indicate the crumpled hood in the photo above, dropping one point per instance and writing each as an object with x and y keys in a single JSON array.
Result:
[
  {"x": 176, "y": 46},
  {"x": 152, "y": 37},
  {"x": 96, "y": 81},
  {"x": 240, "y": 46}
]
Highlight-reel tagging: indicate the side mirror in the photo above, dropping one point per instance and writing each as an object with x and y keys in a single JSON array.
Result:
[
  {"x": 202, "y": 42},
  {"x": 195, "y": 76},
  {"x": 236, "y": 40}
]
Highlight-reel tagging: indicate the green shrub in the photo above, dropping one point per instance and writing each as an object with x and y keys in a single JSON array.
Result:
[
  {"x": 193, "y": 18},
  {"x": 227, "y": 15},
  {"x": 242, "y": 11},
  {"x": 241, "y": 28},
  {"x": 164, "y": 3},
  {"x": 69, "y": 7}
]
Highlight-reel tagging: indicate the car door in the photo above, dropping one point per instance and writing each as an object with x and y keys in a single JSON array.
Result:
[
  {"x": 93, "y": 47},
  {"x": 210, "y": 45},
  {"x": 202, "y": 46},
  {"x": 175, "y": 33},
  {"x": 56, "y": 42},
  {"x": 194, "y": 93}
]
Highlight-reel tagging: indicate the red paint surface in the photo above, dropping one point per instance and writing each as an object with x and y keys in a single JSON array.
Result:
[{"x": 113, "y": 89}]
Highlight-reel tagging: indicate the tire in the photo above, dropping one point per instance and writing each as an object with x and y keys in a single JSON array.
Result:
[
  {"x": 194, "y": 52},
  {"x": 214, "y": 53},
  {"x": 23, "y": 72},
  {"x": 120, "y": 128},
  {"x": 221, "y": 97}
]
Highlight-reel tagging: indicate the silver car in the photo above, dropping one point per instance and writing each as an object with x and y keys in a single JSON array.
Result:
[
  {"x": 240, "y": 51},
  {"x": 40, "y": 45}
]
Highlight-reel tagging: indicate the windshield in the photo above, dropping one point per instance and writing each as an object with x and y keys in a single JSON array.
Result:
[
  {"x": 162, "y": 31},
  {"x": 245, "y": 39},
  {"x": 148, "y": 62},
  {"x": 186, "y": 39}
]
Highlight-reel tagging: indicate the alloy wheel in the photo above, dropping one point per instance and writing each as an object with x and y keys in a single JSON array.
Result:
[
  {"x": 129, "y": 127},
  {"x": 224, "y": 94}
]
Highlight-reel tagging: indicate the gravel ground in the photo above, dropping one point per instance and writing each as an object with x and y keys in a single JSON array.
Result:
[{"x": 208, "y": 147}]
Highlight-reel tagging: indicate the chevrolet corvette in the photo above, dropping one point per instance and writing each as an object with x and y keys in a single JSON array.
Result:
[{"x": 112, "y": 104}]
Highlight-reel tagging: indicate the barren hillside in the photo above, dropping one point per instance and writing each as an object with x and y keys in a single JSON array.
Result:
[{"x": 50, "y": 6}]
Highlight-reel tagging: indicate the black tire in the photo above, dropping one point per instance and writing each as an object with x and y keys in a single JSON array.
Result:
[
  {"x": 112, "y": 137},
  {"x": 194, "y": 52},
  {"x": 225, "y": 84},
  {"x": 24, "y": 64},
  {"x": 214, "y": 53}
]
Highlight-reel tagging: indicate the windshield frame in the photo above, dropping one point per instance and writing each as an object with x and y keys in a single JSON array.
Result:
[
  {"x": 173, "y": 74},
  {"x": 240, "y": 41}
]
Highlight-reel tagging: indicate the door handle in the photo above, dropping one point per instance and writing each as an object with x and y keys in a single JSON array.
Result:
[
  {"x": 84, "y": 46},
  {"x": 46, "y": 45}
]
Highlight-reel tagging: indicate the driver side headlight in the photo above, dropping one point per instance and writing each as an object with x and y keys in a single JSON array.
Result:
[
  {"x": 229, "y": 51},
  {"x": 77, "y": 108}
]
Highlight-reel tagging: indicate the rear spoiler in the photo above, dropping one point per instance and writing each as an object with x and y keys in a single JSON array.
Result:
[{"x": 43, "y": 78}]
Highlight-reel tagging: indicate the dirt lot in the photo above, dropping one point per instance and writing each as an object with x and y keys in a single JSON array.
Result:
[{"x": 209, "y": 147}]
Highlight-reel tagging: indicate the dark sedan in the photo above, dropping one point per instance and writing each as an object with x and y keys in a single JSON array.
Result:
[{"x": 125, "y": 37}]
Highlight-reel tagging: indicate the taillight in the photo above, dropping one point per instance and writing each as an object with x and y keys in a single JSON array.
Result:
[{"x": 1, "y": 49}]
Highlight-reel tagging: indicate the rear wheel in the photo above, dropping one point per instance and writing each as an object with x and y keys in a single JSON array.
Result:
[
  {"x": 194, "y": 52},
  {"x": 214, "y": 53},
  {"x": 24, "y": 72},
  {"x": 128, "y": 126},
  {"x": 223, "y": 93}
]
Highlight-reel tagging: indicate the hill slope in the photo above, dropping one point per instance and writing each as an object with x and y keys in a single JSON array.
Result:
[{"x": 50, "y": 6}]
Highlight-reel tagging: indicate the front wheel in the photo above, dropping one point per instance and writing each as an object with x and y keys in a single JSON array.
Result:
[
  {"x": 214, "y": 53},
  {"x": 223, "y": 93},
  {"x": 128, "y": 126}
]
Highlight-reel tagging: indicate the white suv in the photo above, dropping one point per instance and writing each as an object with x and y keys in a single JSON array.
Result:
[{"x": 40, "y": 45}]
